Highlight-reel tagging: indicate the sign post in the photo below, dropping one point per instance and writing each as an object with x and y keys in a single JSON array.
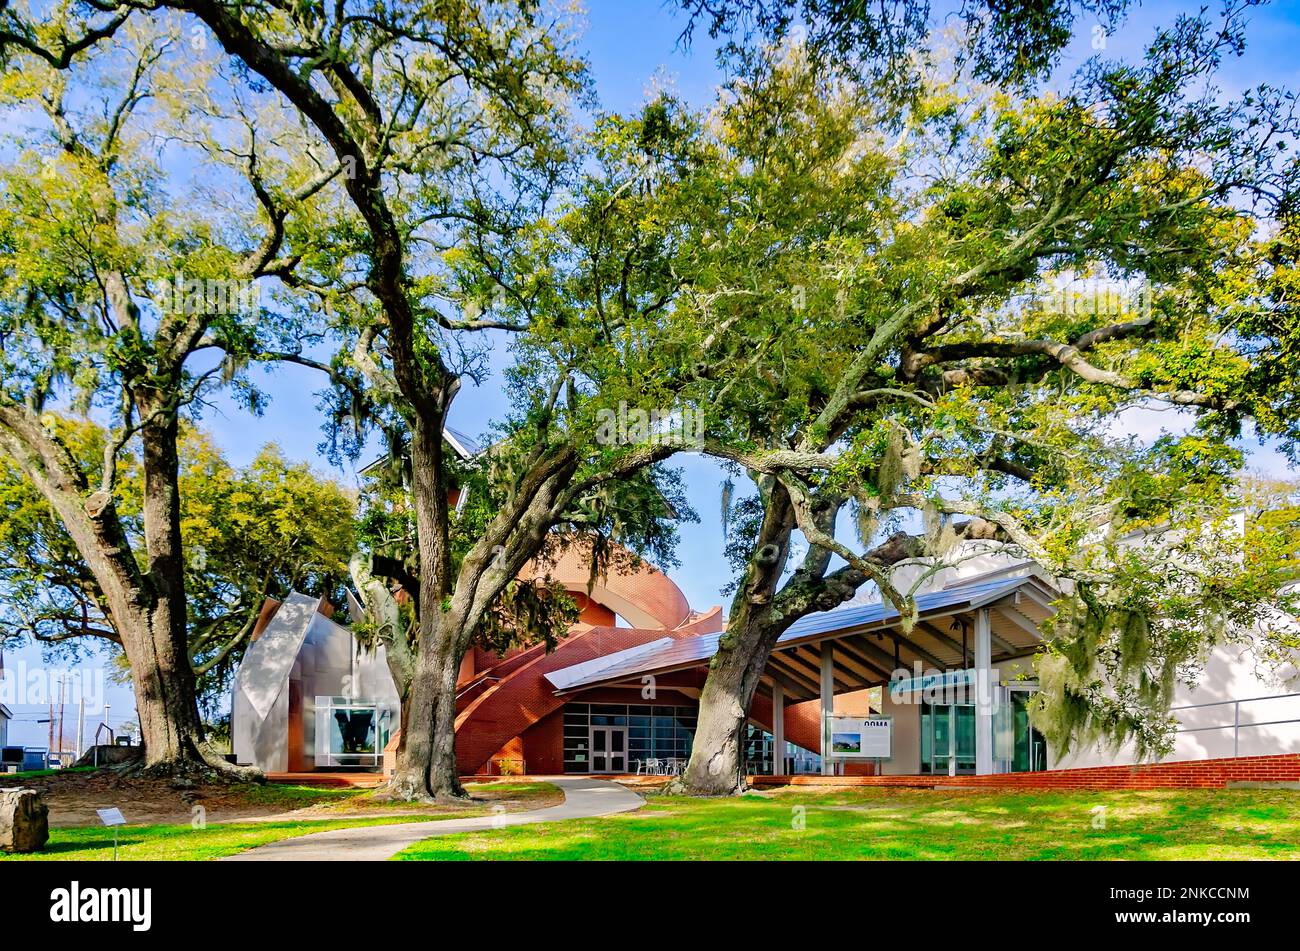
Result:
[
  {"x": 860, "y": 738},
  {"x": 113, "y": 818}
]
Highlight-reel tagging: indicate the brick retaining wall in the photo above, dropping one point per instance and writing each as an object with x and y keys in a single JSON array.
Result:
[{"x": 1186, "y": 774}]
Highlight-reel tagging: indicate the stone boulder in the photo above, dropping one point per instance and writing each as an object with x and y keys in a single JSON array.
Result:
[{"x": 24, "y": 821}]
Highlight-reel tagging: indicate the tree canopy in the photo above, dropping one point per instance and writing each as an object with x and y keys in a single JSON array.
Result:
[
  {"x": 963, "y": 297},
  {"x": 863, "y": 278},
  {"x": 259, "y": 531}
]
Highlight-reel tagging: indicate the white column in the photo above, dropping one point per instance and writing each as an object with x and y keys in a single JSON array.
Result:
[
  {"x": 983, "y": 693},
  {"x": 778, "y": 730},
  {"x": 828, "y": 705}
]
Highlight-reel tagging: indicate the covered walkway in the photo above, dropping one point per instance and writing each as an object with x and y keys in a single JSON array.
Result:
[{"x": 968, "y": 629}]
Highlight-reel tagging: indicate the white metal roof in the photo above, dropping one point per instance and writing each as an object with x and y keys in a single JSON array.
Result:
[{"x": 687, "y": 651}]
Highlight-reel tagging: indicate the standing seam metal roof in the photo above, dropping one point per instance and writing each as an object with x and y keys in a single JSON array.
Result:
[{"x": 689, "y": 650}]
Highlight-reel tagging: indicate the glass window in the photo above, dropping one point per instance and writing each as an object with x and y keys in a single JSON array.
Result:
[
  {"x": 349, "y": 732},
  {"x": 947, "y": 732},
  {"x": 653, "y": 731}
]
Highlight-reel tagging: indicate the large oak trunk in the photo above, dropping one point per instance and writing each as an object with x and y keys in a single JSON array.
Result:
[
  {"x": 444, "y": 781},
  {"x": 427, "y": 759},
  {"x": 715, "y": 764},
  {"x": 165, "y": 696},
  {"x": 715, "y": 767},
  {"x": 165, "y": 685},
  {"x": 759, "y": 618},
  {"x": 426, "y": 765},
  {"x": 144, "y": 604}
]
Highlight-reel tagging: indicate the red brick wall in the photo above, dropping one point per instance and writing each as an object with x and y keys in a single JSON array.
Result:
[
  {"x": 524, "y": 697},
  {"x": 544, "y": 745},
  {"x": 508, "y": 758},
  {"x": 802, "y": 722},
  {"x": 1190, "y": 774},
  {"x": 592, "y": 612}
]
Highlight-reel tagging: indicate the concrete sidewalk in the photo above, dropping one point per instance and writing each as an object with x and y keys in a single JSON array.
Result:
[{"x": 583, "y": 799}]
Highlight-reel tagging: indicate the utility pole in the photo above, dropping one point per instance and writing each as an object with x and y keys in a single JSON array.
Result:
[
  {"x": 63, "y": 687},
  {"x": 81, "y": 723},
  {"x": 49, "y": 746}
]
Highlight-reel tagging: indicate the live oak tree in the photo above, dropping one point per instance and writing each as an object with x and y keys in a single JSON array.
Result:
[
  {"x": 615, "y": 526},
  {"x": 130, "y": 291},
  {"x": 259, "y": 531},
  {"x": 436, "y": 204},
  {"x": 929, "y": 378},
  {"x": 451, "y": 122},
  {"x": 458, "y": 152},
  {"x": 1007, "y": 41}
]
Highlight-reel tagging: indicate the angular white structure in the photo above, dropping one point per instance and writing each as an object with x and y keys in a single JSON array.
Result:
[{"x": 308, "y": 696}]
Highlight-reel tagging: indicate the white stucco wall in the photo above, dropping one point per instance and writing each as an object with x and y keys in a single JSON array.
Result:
[
  {"x": 906, "y": 740},
  {"x": 1232, "y": 673}
]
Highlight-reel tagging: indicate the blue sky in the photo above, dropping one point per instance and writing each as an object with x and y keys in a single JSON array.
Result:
[{"x": 632, "y": 44}]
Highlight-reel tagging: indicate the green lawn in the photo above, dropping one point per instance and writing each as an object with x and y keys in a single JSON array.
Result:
[
  {"x": 912, "y": 824},
  {"x": 169, "y": 843},
  {"x": 218, "y": 839},
  {"x": 38, "y": 773}
]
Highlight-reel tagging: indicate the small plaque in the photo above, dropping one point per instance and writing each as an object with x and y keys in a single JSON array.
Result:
[{"x": 111, "y": 817}]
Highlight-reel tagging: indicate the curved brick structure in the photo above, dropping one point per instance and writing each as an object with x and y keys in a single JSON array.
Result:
[
  {"x": 508, "y": 710},
  {"x": 523, "y": 697},
  {"x": 504, "y": 700},
  {"x": 644, "y": 596}
]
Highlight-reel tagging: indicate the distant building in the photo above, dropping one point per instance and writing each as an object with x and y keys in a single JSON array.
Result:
[
  {"x": 620, "y": 693},
  {"x": 5, "y": 714}
]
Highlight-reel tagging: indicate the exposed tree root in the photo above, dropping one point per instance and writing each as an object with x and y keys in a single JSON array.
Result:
[
  {"x": 679, "y": 787},
  {"x": 201, "y": 765},
  {"x": 398, "y": 789}
]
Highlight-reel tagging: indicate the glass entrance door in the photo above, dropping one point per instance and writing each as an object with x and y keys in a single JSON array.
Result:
[
  {"x": 609, "y": 749},
  {"x": 947, "y": 738},
  {"x": 1030, "y": 750}
]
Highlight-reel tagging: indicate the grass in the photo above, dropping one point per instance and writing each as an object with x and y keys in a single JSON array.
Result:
[
  {"x": 175, "y": 842},
  {"x": 787, "y": 824},
  {"x": 37, "y": 773},
  {"x": 219, "y": 839},
  {"x": 293, "y": 797},
  {"x": 518, "y": 795},
  {"x": 911, "y": 824}
]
